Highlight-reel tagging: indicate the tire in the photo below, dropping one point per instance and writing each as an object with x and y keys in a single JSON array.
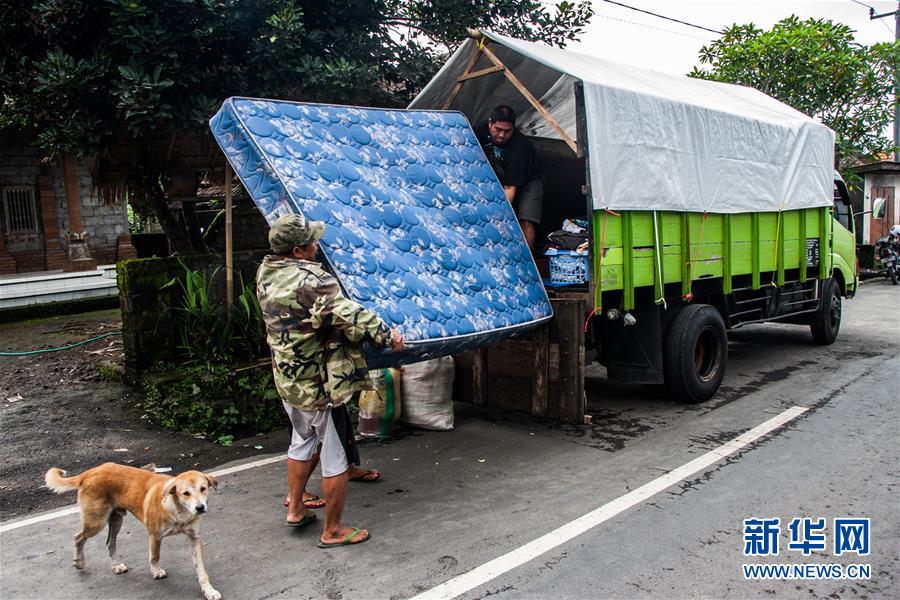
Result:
[
  {"x": 695, "y": 353},
  {"x": 827, "y": 320},
  {"x": 892, "y": 274}
]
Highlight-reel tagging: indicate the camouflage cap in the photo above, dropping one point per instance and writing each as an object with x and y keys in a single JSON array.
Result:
[{"x": 293, "y": 230}]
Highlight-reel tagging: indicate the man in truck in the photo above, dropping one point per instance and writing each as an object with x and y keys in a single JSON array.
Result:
[{"x": 516, "y": 163}]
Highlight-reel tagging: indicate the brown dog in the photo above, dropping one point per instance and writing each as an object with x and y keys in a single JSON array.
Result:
[{"x": 166, "y": 505}]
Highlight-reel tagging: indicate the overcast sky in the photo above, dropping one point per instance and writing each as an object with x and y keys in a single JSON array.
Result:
[{"x": 628, "y": 36}]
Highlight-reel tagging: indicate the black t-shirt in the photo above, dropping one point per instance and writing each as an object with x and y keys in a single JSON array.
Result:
[{"x": 515, "y": 162}]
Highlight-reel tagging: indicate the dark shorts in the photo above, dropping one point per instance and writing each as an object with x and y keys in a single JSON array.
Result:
[{"x": 529, "y": 201}]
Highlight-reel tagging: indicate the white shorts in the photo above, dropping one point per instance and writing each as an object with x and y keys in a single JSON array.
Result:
[{"x": 312, "y": 428}]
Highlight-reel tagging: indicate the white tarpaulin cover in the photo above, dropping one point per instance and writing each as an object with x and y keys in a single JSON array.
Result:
[{"x": 655, "y": 141}]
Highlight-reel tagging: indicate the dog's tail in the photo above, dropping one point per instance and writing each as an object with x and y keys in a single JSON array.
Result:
[{"x": 57, "y": 481}]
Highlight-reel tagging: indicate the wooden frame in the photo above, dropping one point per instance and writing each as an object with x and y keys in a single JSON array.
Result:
[{"x": 499, "y": 67}]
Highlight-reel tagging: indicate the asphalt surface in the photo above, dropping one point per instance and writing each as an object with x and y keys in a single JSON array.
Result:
[{"x": 450, "y": 502}]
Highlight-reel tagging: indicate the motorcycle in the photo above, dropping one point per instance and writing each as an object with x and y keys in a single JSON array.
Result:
[{"x": 887, "y": 250}]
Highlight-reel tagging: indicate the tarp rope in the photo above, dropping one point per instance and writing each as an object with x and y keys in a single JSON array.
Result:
[
  {"x": 777, "y": 236},
  {"x": 67, "y": 347},
  {"x": 598, "y": 297},
  {"x": 690, "y": 295},
  {"x": 658, "y": 250}
]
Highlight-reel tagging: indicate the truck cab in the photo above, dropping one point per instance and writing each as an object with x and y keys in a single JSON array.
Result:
[{"x": 843, "y": 248}]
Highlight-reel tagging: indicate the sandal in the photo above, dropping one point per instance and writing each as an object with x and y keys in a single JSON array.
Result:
[
  {"x": 309, "y": 518},
  {"x": 347, "y": 541},
  {"x": 311, "y": 502},
  {"x": 368, "y": 476}
]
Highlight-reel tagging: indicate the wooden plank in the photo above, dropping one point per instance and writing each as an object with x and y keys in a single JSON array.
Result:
[
  {"x": 481, "y": 73},
  {"x": 570, "y": 321},
  {"x": 531, "y": 99},
  {"x": 510, "y": 358},
  {"x": 458, "y": 86},
  {"x": 541, "y": 368},
  {"x": 479, "y": 376}
]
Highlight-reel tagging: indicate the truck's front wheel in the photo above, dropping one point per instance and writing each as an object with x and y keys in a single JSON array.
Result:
[
  {"x": 695, "y": 353},
  {"x": 826, "y": 321}
]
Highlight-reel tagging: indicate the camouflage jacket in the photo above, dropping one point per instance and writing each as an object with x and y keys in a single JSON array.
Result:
[{"x": 315, "y": 333}]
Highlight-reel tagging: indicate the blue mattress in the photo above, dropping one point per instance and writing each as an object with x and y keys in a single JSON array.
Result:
[{"x": 418, "y": 227}]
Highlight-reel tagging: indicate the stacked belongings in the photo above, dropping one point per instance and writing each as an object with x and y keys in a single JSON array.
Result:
[{"x": 568, "y": 253}]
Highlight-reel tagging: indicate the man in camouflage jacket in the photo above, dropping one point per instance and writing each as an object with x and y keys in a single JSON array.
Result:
[{"x": 315, "y": 334}]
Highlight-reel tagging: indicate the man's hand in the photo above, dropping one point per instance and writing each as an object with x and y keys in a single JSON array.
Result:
[
  {"x": 396, "y": 340},
  {"x": 510, "y": 192}
]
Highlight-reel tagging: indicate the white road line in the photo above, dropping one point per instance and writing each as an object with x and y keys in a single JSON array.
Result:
[
  {"x": 73, "y": 510},
  {"x": 480, "y": 575}
]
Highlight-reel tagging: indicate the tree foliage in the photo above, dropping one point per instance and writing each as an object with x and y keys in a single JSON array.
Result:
[
  {"x": 84, "y": 75},
  {"x": 816, "y": 67}
]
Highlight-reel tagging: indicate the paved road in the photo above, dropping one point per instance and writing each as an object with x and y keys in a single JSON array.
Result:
[{"x": 451, "y": 502}]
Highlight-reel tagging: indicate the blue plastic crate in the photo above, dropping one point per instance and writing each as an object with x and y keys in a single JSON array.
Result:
[{"x": 567, "y": 267}]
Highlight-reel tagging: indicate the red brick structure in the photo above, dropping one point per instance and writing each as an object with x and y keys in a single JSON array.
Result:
[{"x": 46, "y": 207}]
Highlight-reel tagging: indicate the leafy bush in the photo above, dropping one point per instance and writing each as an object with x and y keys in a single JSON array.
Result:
[
  {"x": 216, "y": 402},
  {"x": 212, "y": 393},
  {"x": 209, "y": 335}
]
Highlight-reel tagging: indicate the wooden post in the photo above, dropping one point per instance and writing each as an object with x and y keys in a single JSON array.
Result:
[
  {"x": 570, "y": 321},
  {"x": 479, "y": 376},
  {"x": 541, "y": 364},
  {"x": 531, "y": 99},
  {"x": 459, "y": 81},
  {"x": 229, "y": 259}
]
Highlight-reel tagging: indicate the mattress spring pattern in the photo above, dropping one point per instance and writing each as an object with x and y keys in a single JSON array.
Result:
[{"x": 418, "y": 227}]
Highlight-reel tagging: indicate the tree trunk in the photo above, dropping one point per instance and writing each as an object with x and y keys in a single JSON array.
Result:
[{"x": 178, "y": 238}]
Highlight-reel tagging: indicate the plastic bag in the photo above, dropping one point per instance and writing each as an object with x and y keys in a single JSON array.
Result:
[
  {"x": 428, "y": 394},
  {"x": 379, "y": 408}
]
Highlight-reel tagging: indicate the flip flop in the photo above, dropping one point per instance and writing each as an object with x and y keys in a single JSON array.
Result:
[
  {"x": 370, "y": 476},
  {"x": 312, "y": 502},
  {"x": 309, "y": 518},
  {"x": 346, "y": 541}
]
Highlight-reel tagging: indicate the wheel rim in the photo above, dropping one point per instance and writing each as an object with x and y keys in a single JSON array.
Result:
[
  {"x": 707, "y": 355},
  {"x": 835, "y": 313}
]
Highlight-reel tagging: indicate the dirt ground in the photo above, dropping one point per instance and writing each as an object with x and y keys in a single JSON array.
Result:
[{"x": 56, "y": 410}]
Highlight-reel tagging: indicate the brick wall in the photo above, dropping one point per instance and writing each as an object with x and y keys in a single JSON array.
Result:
[{"x": 20, "y": 164}]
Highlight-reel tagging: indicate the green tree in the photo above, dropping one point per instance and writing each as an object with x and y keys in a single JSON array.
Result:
[
  {"x": 107, "y": 78},
  {"x": 816, "y": 67}
]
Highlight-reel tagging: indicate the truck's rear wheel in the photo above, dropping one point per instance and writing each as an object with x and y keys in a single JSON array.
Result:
[
  {"x": 695, "y": 353},
  {"x": 826, "y": 322}
]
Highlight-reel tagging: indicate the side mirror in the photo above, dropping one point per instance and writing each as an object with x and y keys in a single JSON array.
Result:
[
  {"x": 877, "y": 209},
  {"x": 878, "y": 206}
]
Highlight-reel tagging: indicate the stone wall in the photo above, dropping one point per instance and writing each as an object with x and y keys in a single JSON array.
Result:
[{"x": 148, "y": 330}]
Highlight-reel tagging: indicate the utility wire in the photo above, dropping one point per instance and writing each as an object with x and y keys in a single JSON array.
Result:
[
  {"x": 635, "y": 23},
  {"x": 872, "y": 11},
  {"x": 647, "y": 12}
]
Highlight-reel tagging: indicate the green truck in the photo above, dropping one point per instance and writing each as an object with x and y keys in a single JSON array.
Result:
[
  {"x": 668, "y": 285},
  {"x": 710, "y": 206}
]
